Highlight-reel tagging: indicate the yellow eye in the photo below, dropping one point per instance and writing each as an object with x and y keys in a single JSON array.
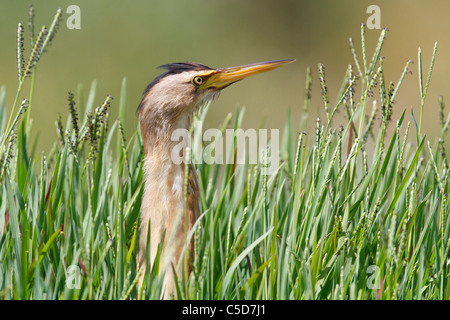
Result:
[{"x": 198, "y": 81}]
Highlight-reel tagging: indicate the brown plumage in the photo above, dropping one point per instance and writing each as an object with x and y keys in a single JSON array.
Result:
[{"x": 168, "y": 104}]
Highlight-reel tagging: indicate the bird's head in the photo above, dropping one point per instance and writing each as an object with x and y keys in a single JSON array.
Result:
[
  {"x": 170, "y": 99},
  {"x": 185, "y": 86}
]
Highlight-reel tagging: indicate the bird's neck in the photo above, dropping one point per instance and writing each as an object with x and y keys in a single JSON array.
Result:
[
  {"x": 164, "y": 197},
  {"x": 162, "y": 137},
  {"x": 168, "y": 204},
  {"x": 165, "y": 152}
]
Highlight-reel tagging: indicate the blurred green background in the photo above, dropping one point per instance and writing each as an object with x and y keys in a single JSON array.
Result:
[{"x": 131, "y": 38}]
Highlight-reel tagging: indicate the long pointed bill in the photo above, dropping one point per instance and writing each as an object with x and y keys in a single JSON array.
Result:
[{"x": 222, "y": 78}]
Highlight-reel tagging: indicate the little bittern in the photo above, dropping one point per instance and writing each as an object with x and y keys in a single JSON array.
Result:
[{"x": 168, "y": 103}]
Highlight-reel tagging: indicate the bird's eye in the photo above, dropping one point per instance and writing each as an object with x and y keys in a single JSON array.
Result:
[{"x": 198, "y": 81}]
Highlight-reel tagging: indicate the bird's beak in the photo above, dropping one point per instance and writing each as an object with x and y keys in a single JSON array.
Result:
[{"x": 222, "y": 78}]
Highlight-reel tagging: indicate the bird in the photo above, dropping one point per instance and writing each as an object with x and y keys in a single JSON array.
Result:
[{"x": 169, "y": 103}]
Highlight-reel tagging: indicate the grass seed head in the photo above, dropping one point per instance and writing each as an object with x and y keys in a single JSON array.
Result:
[{"x": 20, "y": 49}]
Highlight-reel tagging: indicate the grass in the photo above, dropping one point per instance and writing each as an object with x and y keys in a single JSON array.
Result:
[{"x": 351, "y": 213}]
